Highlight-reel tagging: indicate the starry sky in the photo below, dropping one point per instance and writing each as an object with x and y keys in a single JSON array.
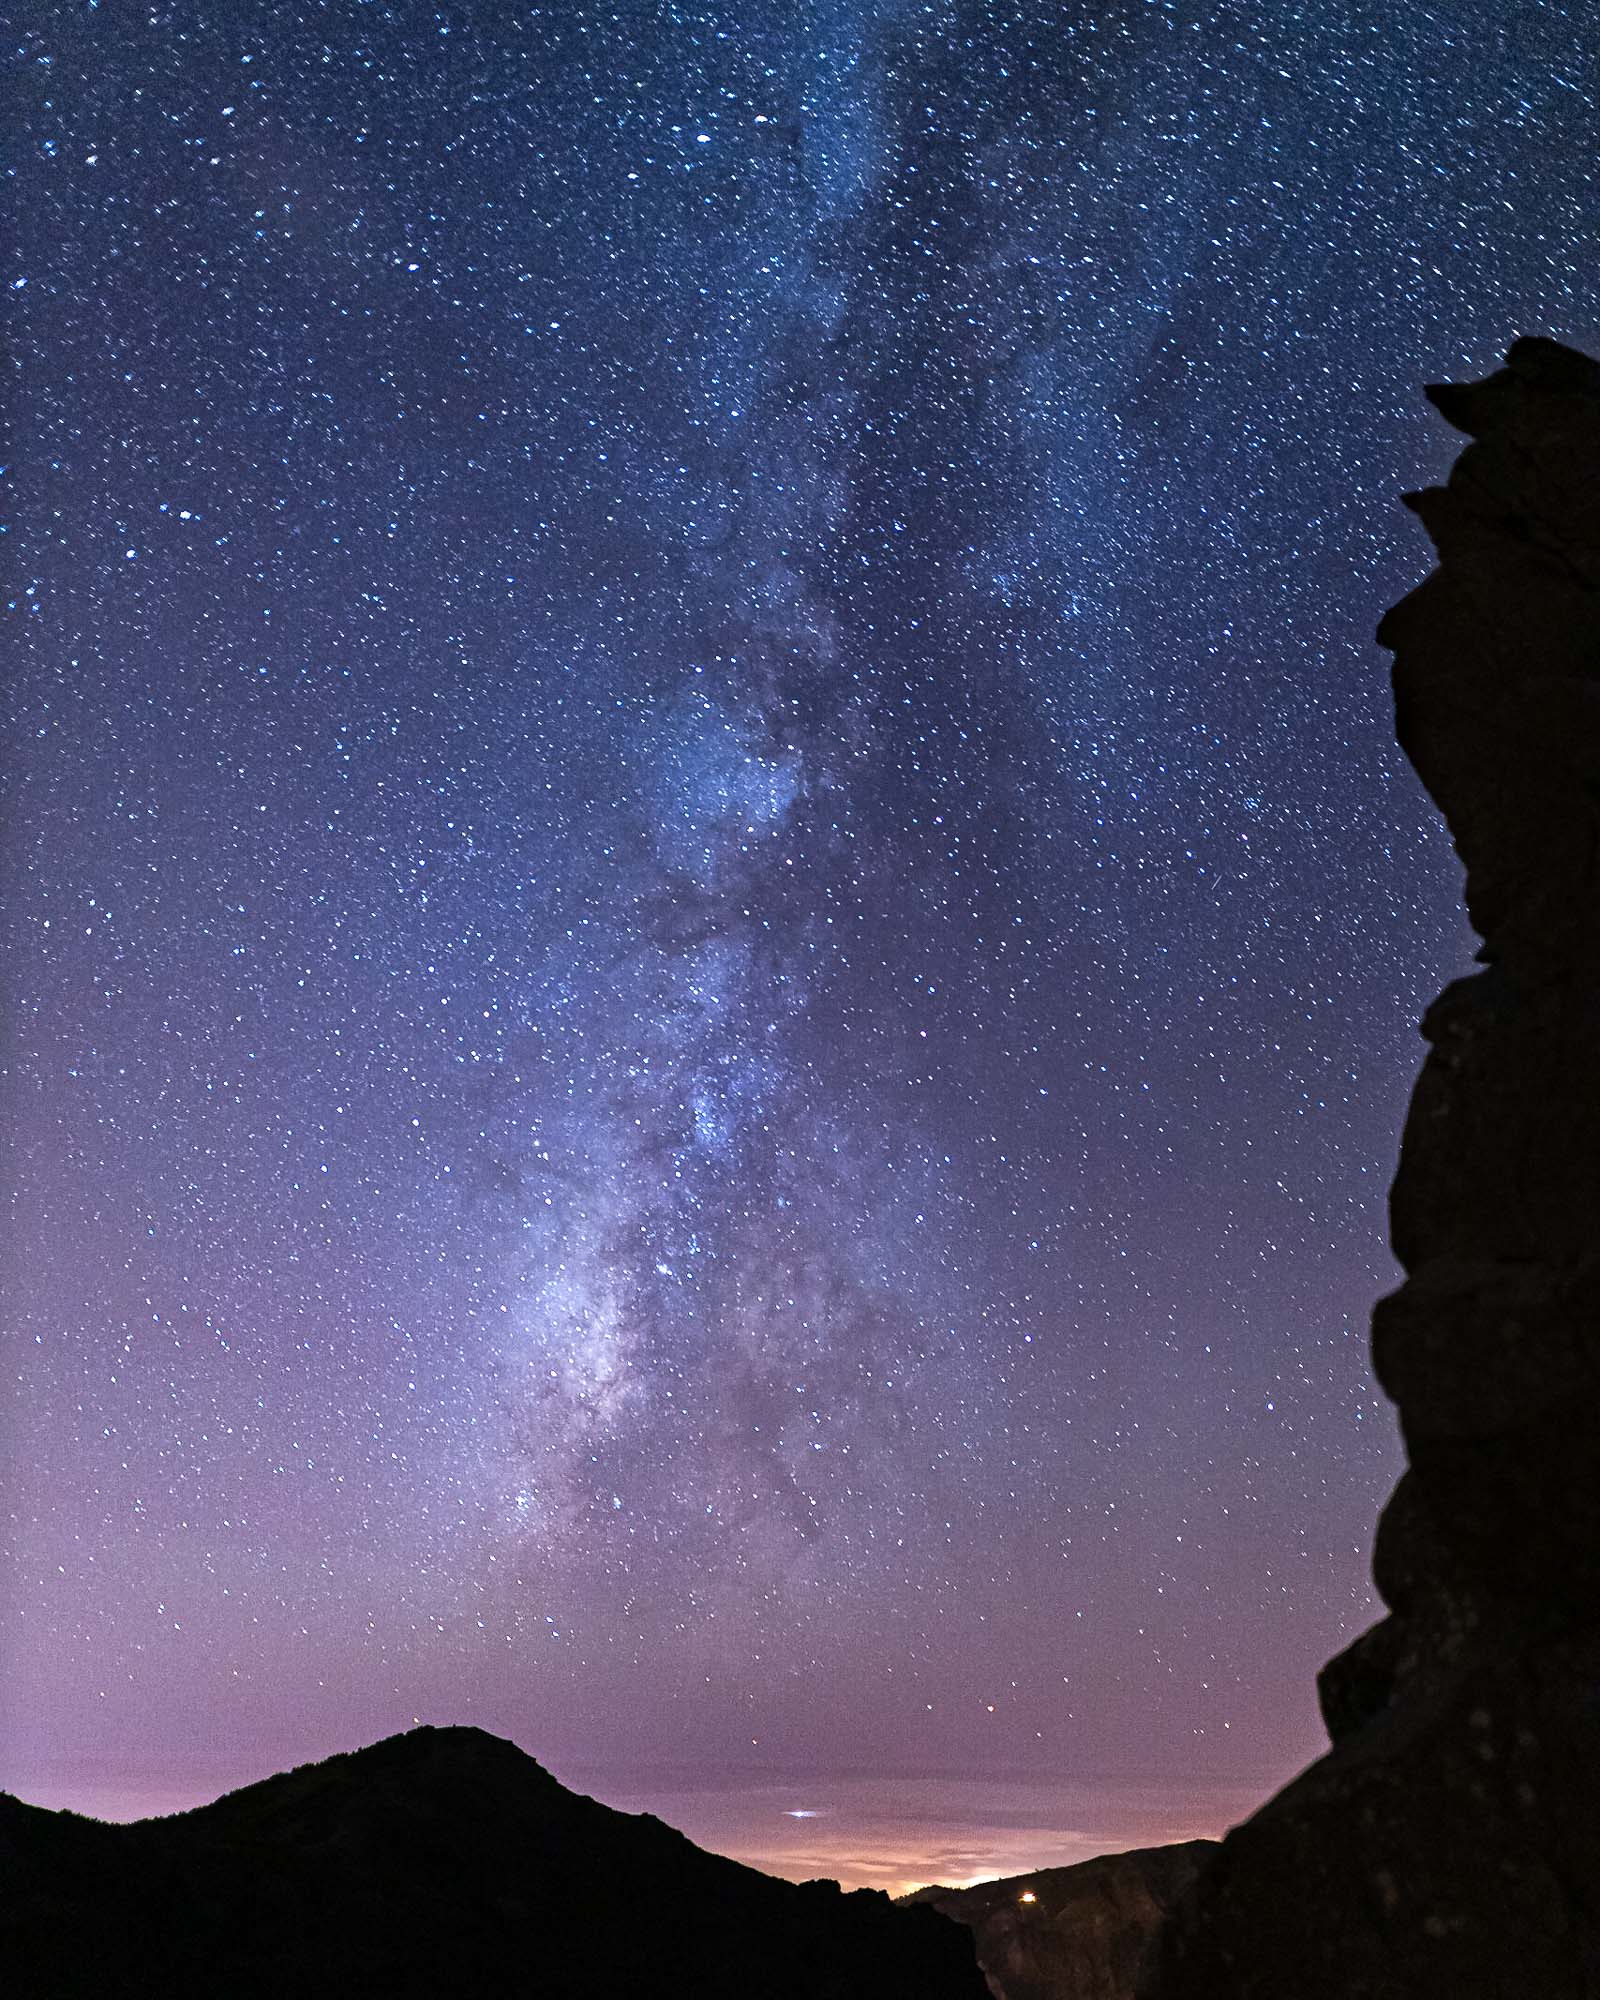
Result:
[{"x": 717, "y": 932}]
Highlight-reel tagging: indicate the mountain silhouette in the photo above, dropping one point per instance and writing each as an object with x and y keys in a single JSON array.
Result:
[
  {"x": 440, "y": 1862},
  {"x": 1077, "y": 1933}
]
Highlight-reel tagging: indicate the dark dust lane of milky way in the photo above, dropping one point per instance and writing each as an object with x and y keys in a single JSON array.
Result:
[{"x": 718, "y": 933}]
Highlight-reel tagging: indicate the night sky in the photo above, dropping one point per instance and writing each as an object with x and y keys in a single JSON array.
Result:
[{"x": 716, "y": 932}]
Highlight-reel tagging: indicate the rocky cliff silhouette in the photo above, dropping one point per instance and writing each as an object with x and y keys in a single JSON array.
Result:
[
  {"x": 1078, "y": 1933},
  {"x": 441, "y": 1862},
  {"x": 1449, "y": 1844}
]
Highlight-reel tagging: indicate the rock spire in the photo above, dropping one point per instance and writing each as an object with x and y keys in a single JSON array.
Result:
[{"x": 1450, "y": 1841}]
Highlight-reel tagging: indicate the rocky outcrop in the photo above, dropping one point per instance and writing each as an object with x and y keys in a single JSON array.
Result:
[
  {"x": 1450, "y": 1842},
  {"x": 439, "y": 1862},
  {"x": 1078, "y": 1933}
]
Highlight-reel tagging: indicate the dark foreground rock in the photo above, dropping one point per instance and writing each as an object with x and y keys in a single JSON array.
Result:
[
  {"x": 1076, "y": 1933},
  {"x": 1449, "y": 1844},
  {"x": 443, "y": 1862}
]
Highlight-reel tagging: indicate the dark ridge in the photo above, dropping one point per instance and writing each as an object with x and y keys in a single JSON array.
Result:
[
  {"x": 1079, "y": 1933},
  {"x": 441, "y": 1862}
]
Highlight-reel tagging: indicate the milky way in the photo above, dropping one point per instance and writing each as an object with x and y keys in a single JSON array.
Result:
[{"x": 718, "y": 932}]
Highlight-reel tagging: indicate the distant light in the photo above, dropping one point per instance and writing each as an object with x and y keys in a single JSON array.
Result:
[
  {"x": 1027, "y": 1896},
  {"x": 800, "y": 1812}
]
